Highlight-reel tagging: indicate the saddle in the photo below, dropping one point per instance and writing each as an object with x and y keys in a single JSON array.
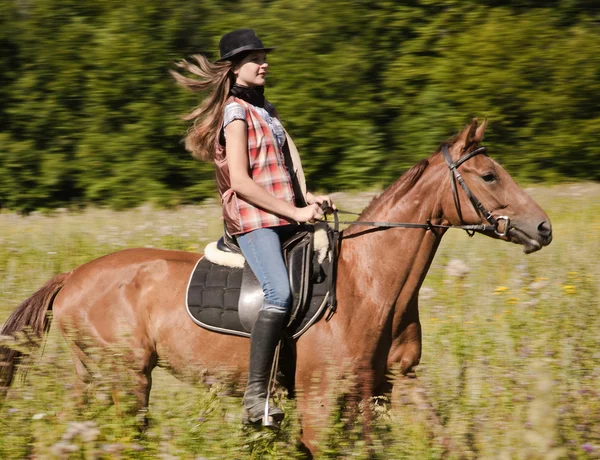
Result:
[{"x": 223, "y": 295}]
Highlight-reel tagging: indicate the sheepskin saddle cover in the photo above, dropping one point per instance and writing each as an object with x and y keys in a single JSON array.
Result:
[{"x": 226, "y": 297}]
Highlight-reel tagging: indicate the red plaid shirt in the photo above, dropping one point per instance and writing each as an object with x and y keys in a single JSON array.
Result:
[{"x": 266, "y": 167}]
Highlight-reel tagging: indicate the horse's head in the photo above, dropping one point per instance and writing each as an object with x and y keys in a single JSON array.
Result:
[{"x": 522, "y": 221}]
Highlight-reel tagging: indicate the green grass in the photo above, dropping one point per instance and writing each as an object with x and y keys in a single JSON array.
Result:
[{"x": 511, "y": 350}]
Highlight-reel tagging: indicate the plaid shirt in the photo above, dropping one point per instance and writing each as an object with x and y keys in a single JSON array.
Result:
[{"x": 266, "y": 167}]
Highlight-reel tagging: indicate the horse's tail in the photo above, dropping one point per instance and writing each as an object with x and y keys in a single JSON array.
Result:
[{"x": 29, "y": 316}]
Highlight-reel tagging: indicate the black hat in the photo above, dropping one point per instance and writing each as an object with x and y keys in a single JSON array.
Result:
[{"x": 239, "y": 41}]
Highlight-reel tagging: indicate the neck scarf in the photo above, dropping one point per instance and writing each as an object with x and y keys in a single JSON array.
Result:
[{"x": 254, "y": 95}]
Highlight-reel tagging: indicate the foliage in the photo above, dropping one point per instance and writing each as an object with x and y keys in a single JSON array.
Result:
[{"x": 89, "y": 114}]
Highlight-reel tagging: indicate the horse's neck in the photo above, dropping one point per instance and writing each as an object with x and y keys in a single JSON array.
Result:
[{"x": 386, "y": 268}]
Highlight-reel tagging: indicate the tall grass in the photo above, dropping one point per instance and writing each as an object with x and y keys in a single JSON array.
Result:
[{"x": 511, "y": 350}]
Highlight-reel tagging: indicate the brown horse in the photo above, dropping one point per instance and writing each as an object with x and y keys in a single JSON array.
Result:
[{"x": 138, "y": 295}]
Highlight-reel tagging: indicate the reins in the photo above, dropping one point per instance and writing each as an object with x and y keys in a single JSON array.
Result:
[
  {"x": 455, "y": 177},
  {"x": 428, "y": 225}
]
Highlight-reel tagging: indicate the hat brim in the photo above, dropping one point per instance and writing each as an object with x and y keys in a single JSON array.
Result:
[{"x": 241, "y": 49}]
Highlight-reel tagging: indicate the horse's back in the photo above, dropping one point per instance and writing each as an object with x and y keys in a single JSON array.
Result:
[{"x": 118, "y": 294}]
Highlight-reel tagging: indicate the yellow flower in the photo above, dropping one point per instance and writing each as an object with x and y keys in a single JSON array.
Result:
[
  {"x": 500, "y": 290},
  {"x": 569, "y": 289}
]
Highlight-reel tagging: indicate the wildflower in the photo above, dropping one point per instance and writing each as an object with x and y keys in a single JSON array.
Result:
[
  {"x": 63, "y": 449},
  {"x": 569, "y": 289},
  {"x": 457, "y": 268},
  {"x": 538, "y": 284},
  {"x": 587, "y": 447},
  {"x": 500, "y": 290},
  {"x": 112, "y": 448}
]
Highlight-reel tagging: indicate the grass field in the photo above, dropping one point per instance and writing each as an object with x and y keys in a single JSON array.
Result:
[{"x": 511, "y": 356}]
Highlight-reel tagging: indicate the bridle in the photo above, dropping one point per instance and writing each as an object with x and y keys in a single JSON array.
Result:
[{"x": 455, "y": 176}]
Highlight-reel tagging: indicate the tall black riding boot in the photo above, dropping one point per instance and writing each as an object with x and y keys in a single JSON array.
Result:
[{"x": 265, "y": 336}]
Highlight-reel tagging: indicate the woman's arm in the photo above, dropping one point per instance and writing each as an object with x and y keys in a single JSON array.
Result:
[{"x": 243, "y": 185}]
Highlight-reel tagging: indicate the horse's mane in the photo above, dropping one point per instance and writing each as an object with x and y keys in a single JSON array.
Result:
[
  {"x": 399, "y": 188},
  {"x": 396, "y": 190},
  {"x": 450, "y": 141}
]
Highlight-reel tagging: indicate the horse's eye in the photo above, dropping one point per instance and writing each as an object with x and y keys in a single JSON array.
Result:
[{"x": 489, "y": 177}]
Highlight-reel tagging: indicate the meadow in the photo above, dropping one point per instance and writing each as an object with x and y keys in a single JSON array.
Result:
[{"x": 510, "y": 365}]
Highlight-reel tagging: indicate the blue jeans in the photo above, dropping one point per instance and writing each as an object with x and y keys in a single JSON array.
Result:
[{"x": 262, "y": 250}]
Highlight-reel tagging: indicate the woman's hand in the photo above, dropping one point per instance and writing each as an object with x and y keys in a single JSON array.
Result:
[
  {"x": 309, "y": 213},
  {"x": 319, "y": 199}
]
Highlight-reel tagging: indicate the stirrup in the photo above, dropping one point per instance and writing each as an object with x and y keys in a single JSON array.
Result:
[{"x": 271, "y": 420}]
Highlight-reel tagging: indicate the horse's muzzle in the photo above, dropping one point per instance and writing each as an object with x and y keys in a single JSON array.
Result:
[{"x": 531, "y": 240}]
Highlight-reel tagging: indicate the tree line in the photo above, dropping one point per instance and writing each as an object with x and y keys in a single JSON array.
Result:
[{"x": 90, "y": 115}]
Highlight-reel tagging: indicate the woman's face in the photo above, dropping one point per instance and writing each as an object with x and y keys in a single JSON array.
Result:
[{"x": 252, "y": 70}]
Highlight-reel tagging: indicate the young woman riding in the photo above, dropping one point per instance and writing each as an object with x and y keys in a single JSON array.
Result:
[{"x": 260, "y": 181}]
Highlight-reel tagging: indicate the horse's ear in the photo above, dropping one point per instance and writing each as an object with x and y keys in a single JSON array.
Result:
[
  {"x": 467, "y": 136},
  {"x": 479, "y": 133}
]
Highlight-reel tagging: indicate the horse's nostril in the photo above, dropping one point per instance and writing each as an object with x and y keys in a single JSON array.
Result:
[{"x": 544, "y": 229}]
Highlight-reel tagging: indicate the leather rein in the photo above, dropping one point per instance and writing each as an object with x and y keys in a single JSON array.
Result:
[{"x": 455, "y": 176}]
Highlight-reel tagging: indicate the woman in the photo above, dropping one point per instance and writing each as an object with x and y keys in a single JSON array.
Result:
[{"x": 261, "y": 184}]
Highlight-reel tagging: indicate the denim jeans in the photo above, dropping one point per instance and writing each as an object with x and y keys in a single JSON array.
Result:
[{"x": 262, "y": 250}]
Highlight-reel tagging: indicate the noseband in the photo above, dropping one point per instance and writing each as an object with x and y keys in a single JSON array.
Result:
[{"x": 455, "y": 176}]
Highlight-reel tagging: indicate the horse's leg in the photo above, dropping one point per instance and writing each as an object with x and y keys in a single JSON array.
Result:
[
  {"x": 106, "y": 313},
  {"x": 83, "y": 378},
  {"x": 320, "y": 383},
  {"x": 405, "y": 351},
  {"x": 139, "y": 379},
  {"x": 330, "y": 386},
  {"x": 313, "y": 409},
  {"x": 142, "y": 384},
  {"x": 403, "y": 384}
]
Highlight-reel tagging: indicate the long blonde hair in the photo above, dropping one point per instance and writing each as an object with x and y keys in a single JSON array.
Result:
[{"x": 217, "y": 79}]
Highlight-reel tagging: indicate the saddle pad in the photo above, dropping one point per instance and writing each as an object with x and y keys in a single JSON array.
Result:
[{"x": 213, "y": 294}]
